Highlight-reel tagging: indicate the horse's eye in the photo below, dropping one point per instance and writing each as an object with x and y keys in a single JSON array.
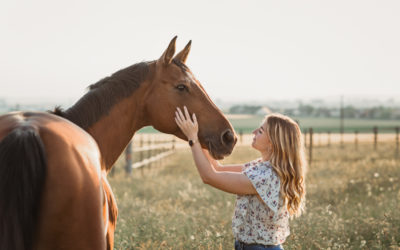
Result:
[{"x": 181, "y": 87}]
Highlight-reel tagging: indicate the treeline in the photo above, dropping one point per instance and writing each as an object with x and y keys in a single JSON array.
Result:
[
  {"x": 244, "y": 109},
  {"x": 306, "y": 110}
]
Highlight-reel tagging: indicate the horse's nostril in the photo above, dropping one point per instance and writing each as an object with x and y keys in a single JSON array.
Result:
[{"x": 228, "y": 138}]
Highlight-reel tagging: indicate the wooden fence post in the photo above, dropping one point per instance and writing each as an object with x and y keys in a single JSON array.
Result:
[
  {"x": 305, "y": 138},
  {"x": 375, "y": 129},
  {"x": 341, "y": 122},
  {"x": 141, "y": 153},
  {"x": 241, "y": 136},
  {"x": 329, "y": 138},
  {"x": 356, "y": 139},
  {"x": 397, "y": 141},
  {"x": 149, "y": 150},
  {"x": 157, "y": 151},
  {"x": 310, "y": 146},
  {"x": 141, "y": 145},
  {"x": 341, "y": 139},
  {"x": 128, "y": 159}
]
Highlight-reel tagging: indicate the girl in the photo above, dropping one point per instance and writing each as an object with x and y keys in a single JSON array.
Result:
[{"x": 269, "y": 190}]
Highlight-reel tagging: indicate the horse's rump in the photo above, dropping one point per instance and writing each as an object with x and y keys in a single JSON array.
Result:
[
  {"x": 22, "y": 175},
  {"x": 51, "y": 194}
]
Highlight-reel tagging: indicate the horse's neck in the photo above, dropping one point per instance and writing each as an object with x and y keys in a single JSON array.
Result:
[
  {"x": 118, "y": 114},
  {"x": 114, "y": 130}
]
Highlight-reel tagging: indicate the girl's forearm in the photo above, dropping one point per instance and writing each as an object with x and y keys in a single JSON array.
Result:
[
  {"x": 202, "y": 162},
  {"x": 228, "y": 181},
  {"x": 220, "y": 167},
  {"x": 213, "y": 162}
]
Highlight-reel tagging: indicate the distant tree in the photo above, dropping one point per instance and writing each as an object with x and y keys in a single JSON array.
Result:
[
  {"x": 383, "y": 112},
  {"x": 378, "y": 113},
  {"x": 350, "y": 112},
  {"x": 289, "y": 112},
  {"x": 306, "y": 110},
  {"x": 244, "y": 109},
  {"x": 322, "y": 112}
]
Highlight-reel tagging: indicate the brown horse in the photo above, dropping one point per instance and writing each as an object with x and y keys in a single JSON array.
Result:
[{"x": 53, "y": 166}]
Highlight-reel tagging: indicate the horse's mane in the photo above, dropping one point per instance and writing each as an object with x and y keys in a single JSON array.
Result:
[{"x": 104, "y": 94}]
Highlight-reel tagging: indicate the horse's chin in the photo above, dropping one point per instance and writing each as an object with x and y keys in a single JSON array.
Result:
[
  {"x": 218, "y": 157},
  {"x": 214, "y": 154}
]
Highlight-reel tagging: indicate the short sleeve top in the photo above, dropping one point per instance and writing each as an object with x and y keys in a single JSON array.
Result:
[{"x": 262, "y": 218}]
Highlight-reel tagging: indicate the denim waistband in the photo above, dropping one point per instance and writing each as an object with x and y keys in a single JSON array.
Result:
[{"x": 245, "y": 246}]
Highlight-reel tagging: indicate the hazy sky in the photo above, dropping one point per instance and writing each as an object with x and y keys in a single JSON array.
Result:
[{"x": 241, "y": 50}]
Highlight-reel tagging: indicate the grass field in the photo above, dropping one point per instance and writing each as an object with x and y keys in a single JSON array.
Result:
[
  {"x": 247, "y": 123},
  {"x": 352, "y": 203}
]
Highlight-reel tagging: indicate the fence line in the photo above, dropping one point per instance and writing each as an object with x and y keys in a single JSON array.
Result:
[
  {"x": 397, "y": 141},
  {"x": 310, "y": 146},
  {"x": 375, "y": 133},
  {"x": 356, "y": 139},
  {"x": 375, "y": 129},
  {"x": 148, "y": 161},
  {"x": 318, "y": 139},
  {"x": 152, "y": 147},
  {"x": 154, "y": 151}
]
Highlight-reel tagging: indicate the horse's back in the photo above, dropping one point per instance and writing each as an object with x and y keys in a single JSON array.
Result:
[{"x": 70, "y": 214}]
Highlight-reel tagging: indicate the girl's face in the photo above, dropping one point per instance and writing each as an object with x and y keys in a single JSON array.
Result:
[{"x": 261, "y": 141}]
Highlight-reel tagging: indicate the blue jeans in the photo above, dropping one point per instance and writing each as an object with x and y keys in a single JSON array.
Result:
[{"x": 244, "y": 246}]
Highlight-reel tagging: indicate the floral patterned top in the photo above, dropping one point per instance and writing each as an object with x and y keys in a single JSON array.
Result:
[{"x": 262, "y": 218}]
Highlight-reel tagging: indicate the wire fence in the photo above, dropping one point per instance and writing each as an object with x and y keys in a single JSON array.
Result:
[{"x": 149, "y": 149}]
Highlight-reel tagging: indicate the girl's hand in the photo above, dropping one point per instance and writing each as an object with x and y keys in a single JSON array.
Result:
[{"x": 189, "y": 128}]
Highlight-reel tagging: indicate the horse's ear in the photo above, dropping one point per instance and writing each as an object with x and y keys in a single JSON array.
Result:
[
  {"x": 166, "y": 57},
  {"x": 182, "y": 56}
]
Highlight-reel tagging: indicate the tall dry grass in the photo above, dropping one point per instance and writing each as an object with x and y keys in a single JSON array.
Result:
[{"x": 352, "y": 203}]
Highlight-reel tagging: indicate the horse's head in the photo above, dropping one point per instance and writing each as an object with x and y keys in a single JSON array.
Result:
[{"x": 174, "y": 85}]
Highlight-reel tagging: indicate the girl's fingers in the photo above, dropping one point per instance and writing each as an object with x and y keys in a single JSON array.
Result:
[
  {"x": 181, "y": 114},
  {"x": 194, "y": 118},
  {"x": 177, "y": 115},
  {"x": 187, "y": 113},
  {"x": 180, "y": 122},
  {"x": 177, "y": 122},
  {"x": 185, "y": 121},
  {"x": 180, "y": 125}
]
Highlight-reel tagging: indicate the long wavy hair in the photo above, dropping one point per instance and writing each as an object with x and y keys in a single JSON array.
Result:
[{"x": 288, "y": 160}]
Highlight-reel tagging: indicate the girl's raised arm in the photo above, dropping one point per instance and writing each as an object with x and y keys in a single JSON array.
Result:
[
  {"x": 228, "y": 181},
  {"x": 219, "y": 167}
]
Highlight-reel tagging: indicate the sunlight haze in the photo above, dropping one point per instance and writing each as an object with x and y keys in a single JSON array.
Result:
[{"x": 241, "y": 50}]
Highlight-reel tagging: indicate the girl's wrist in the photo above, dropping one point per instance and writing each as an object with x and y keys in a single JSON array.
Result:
[
  {"x": 193, "y": 137},
  {"x": 192, "y": 141}
]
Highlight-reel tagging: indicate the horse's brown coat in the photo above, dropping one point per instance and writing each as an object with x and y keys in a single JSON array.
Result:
[{"x": 77, "y": 204}]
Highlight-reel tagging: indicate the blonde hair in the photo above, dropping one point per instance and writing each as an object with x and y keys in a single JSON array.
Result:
[{"x": 288, "y": 160}]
